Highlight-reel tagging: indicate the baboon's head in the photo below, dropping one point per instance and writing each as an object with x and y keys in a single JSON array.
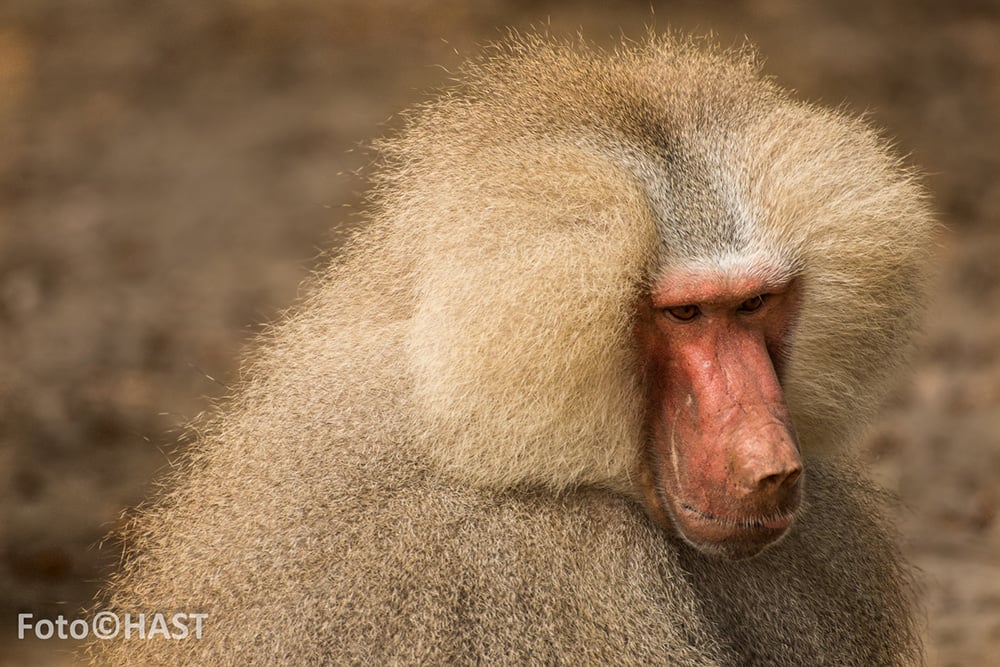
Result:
[{"x": 651, "y": 271}]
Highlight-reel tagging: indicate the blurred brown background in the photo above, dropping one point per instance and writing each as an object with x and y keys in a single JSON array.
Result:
[{"x": 171, "y": 172}]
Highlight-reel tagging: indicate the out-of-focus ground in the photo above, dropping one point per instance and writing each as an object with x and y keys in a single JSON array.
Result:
[{"x": 171, "y": 172}]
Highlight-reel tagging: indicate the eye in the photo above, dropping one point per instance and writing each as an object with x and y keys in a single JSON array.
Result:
[
  {"x": 753, "y": 303},
  {"x": 683, "y": 313}
]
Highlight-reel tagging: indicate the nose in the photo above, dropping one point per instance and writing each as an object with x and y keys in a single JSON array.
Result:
[{"x": 769, "y": 464}]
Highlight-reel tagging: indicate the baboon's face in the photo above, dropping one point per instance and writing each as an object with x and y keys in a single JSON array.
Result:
[{"x": 722, "y": 463}]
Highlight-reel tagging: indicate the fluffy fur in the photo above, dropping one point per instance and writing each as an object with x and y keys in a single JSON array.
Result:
[{"x": 434, "y": 459}]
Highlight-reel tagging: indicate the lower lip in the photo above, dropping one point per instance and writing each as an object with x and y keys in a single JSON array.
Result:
[{"x": 780, "y": 522}]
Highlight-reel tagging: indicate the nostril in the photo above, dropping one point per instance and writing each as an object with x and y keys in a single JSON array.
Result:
[
  {"x": 784, "y": 480},
  {"x": 791, "y": 478}
]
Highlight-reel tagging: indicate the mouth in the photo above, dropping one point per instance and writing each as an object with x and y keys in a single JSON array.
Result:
[
  {"x": 777, "y": 521},
  {"x": 731, "y": 537},
  {"x": 740, "y": 533}
]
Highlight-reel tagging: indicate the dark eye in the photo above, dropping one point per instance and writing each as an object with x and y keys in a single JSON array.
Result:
[
  {"x": 683, "y": 313},
  {"x": 753, "y": 303}
]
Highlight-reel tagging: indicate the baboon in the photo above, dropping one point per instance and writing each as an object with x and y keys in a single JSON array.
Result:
[{"x": 581, "y": 393}]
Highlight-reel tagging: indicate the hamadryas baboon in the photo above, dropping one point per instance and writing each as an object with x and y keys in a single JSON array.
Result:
[{"x": 578, "y": 394}]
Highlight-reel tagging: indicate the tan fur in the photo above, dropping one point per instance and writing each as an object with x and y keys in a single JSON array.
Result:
[{"x": 434, "y": 460}]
